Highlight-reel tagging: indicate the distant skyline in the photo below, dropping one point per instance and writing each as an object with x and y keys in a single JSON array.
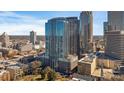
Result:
[{"x": 22, "y": 22}]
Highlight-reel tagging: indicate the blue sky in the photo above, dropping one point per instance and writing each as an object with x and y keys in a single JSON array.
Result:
[{"x": 21, "y": 23}]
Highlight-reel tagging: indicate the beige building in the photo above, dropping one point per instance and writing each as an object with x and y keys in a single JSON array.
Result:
[
  {"x": 114, "y": 35},
  {"x": 15, "y": 72},
  {"x": 114, "y": 46},
  {"x": 4, "y": 75},
  {"x": 108, "y": 63},
  {"x": 87, "y": 65},
  {"x": 68, "y": 65},
  {"x": 4, "y": 39},
  {"x": 26, "y": 47}
]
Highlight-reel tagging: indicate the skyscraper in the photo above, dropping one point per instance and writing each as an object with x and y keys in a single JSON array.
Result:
[
  {"x": 61, "y": 39},
  {"x": 86, "y": 31},
  {"x": 33, "y": 37},
  {"x": 114, "y": 35}
]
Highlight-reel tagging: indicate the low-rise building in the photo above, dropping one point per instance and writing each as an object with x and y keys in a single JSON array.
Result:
[
  {"x": 4, "y": 38},
  {"x": 26, "y": 47},
  {"x": 4, "y": 75},
  {"x": 27, "y": 59},
  {"x": 15, "y": 72},
  {"x": 67, "y": 65},
  {"x": 108, "y": 62},
  {"x": 42, "y": 44},
  {"x": 23, "y": 46},
  {"x": 79, "y": 77},
  {"x": 63, "y": 65},
  {"x": 4, "y": 51},
  {"x": 87, "y": 65}
]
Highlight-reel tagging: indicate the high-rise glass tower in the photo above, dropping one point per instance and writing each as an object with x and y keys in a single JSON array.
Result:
[
  {"x": 86, "y": 31},
  {"x": 114, "y": 34},
  {"x": 61, "y": 39},
  {"x": 33, "y": 37}
]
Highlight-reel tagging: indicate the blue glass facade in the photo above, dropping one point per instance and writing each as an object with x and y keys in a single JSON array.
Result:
[{"x": 61, "y": 39}]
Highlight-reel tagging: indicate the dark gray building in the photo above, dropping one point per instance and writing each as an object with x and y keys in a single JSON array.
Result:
[
  {"x": 33, "y": 37},
  {"x": 86, "y": 31}
]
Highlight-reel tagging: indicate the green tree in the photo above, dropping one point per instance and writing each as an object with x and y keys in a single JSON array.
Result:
[{"x": 48, "y": 74}]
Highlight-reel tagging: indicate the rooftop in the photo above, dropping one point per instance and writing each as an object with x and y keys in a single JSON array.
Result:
[
  {"x": 63, "y": 18},
  {"x": 2, "y": 72},
  {"x": 14, "y": 67},
  {"x": 69, "y": 58},
  {"x": 87, "y": 59},
  {"x": 102, "y": 55}
]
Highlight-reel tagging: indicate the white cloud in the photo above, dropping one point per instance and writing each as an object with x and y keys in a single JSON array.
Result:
[{"x": 15, "y": 24}]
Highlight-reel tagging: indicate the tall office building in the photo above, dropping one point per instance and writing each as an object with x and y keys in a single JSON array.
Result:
[
  {"x": 105, "y": 28},
  {"x": 61, "y": 40},
  {"x": 33, "y": 37},
  {"x": 114, "y": 34},
  {"x": 86, "y": 31},
  {"x": 4, "y": 38}
]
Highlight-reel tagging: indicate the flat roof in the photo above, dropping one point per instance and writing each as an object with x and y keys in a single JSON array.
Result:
[
  {"x": 87, "y": 60},
  {"x": 2, "y": 71}
]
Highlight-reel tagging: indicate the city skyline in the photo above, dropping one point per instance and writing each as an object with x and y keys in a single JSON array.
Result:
[
  {"x": 67, "y": 52},
  {"x": 22, "y": 22}
]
